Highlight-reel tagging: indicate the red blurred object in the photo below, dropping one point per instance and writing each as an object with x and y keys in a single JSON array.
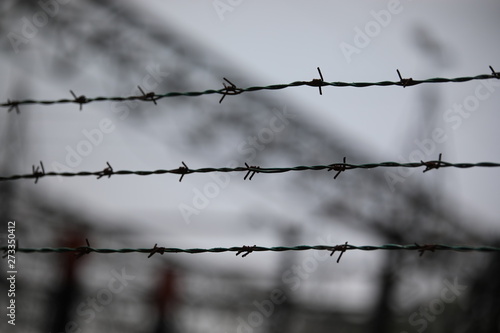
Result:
[{"x": 165, "y": 300}]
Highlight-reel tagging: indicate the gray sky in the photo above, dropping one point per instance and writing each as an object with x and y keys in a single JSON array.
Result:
[{"x": 282, "y": 42}]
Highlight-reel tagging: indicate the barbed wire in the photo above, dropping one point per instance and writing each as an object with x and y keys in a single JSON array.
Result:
[
  {"x": 39, "y": 171},
  {"x": 246, "y": 250},
  {"x": 232, "y": 89}
]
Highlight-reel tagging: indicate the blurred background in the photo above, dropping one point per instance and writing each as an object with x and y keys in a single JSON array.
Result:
[{"x": 99, "y": 48}]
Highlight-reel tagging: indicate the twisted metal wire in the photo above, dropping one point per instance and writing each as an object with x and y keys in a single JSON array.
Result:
[
  {"x": 233, "y": 90},
  {"x": 245, "y": 250},
  {"x": 38, "y": 172}
]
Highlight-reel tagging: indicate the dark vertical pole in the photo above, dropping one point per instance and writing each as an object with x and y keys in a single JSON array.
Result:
[
  {"x": 63, "y": 300},
  {"x": 164, "y": 300}
]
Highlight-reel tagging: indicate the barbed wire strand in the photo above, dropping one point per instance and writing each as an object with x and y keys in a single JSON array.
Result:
[
  {"x": 39, "y": 172},
  {"x": 232, "y": 89},
  {"x": 246, "y": 250}
]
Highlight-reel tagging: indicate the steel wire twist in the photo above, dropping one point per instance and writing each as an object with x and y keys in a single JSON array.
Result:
[
  {"x": 342, "y": 248},
  {"x": 233, "y": 90},
  {"x": 38, "y": 173}
]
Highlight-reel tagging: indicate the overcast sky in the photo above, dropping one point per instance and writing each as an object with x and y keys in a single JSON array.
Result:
[{"x": 284, "y": 41}]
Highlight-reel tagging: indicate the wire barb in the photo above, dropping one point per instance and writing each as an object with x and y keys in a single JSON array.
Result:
[
  {"x": 155, "y": 249},
  {"x": 37, "y": 173},
  {"x": 251, "y": 172},
  {"x": 13, "y": 106},
  {"x": 80, "y": 99},
  {"x": 425, "y": 247},
  {"x": 246, "y": 250},
  {"x": 495, "y": 74},
  {"x": 106, "y": 172},
  {"x": 229, "y": 90},
  {"x": 404, "y": 82},
  {"x": 338, "y": 167},
  {"x": 432, "y": 164},
  {"x": 150, "y": 96},
  {"x": 83, "y": 250},
  {"x": 341, "y": 248},
  {"x": 318, "y": 82},
  {"x": 183, "y": 170}
]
